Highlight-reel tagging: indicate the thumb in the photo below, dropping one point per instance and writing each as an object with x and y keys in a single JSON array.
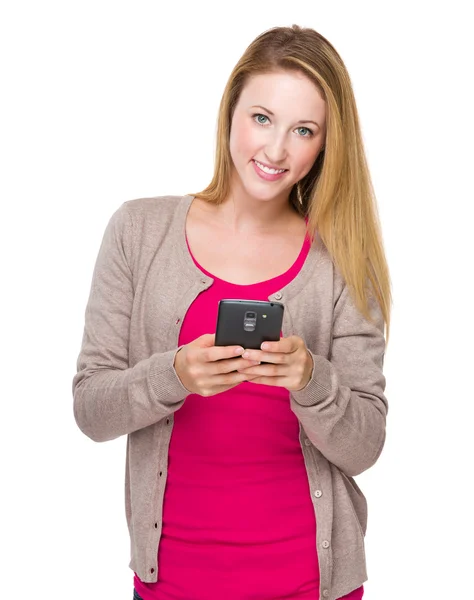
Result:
[{"x": 206, "y": 341}]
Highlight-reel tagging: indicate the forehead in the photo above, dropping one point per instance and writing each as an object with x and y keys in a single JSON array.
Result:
[{"x": 278, "y": 91}]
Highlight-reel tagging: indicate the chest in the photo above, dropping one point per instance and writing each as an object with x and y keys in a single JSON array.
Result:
[
  {"x": 166, "y": 283},
  {"x": 243, "y": 259}
]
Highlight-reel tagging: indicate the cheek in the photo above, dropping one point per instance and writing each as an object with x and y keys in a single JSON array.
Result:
[
  {"x": 308, "y": 156},
  {"x": 243, "y": 141},
  {"x": 306, "y": 159}
]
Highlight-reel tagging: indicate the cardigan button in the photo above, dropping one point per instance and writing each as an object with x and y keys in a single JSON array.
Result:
[
  {"x": 278, "y": 296},
  {"x": 325, "y": 544},
  {"x": 318, "y": 493},
  {"x": 326, "y": 593},
  {"x": 307, "y": 442}
]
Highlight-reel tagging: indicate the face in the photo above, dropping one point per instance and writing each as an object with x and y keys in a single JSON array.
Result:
[{"x": 279, "y": 121}]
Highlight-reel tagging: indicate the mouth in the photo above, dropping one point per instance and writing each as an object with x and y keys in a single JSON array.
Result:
[{"x": 267, "y": 169}]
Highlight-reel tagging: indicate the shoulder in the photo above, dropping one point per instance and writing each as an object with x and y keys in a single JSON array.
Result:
[
  {"x": 162, "y": 205},
  {"x": 147, "y": 221},
  {"x": 152, "y": 216}
]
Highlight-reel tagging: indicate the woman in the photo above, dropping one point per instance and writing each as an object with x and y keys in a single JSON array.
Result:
[{"x": 239, "y": 474}]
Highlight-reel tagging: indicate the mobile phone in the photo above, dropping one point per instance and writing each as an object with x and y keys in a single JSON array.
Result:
[{"x": 248, "y": 323}]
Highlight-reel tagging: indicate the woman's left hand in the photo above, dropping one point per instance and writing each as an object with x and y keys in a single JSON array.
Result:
[{"x": 291, "y": 363}]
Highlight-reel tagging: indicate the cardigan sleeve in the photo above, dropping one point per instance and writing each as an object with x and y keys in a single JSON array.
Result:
[
  {"x": 343, "y": 408},
  {"x": 110, "y": 398}
]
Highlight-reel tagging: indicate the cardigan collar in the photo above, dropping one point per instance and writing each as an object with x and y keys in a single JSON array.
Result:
[{"x": 316, "y": 253}]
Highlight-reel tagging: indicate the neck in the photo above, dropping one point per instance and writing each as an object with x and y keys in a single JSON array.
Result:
[{"x": 245, "y": 214}]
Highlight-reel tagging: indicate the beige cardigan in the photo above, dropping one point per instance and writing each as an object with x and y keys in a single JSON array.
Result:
[{"x": 143, "y": 282}]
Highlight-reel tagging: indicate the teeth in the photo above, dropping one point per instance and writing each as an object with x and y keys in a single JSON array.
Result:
[{"x": 267, "y": 170}]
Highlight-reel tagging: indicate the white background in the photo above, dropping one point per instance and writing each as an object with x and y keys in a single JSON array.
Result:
[{"x": 103, "y": 102}]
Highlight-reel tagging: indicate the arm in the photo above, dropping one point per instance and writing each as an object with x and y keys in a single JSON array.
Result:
[
  {"x": 110, "y": 398},
  {"x": 343, "y": 408}
]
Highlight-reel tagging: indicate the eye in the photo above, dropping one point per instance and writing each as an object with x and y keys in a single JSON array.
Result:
[
  {"x": 309, "y": 133},
  {"x": 259, "y": 115}
]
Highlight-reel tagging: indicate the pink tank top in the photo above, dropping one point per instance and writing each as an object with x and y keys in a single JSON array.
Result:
[{"x": 250, "y": 530}]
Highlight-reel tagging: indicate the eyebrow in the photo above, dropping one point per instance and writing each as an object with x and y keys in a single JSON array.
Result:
[{"x": 270, "y": 113}]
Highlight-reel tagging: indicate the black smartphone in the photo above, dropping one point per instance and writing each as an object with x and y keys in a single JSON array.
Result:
[{"x": 248, "y": 323}]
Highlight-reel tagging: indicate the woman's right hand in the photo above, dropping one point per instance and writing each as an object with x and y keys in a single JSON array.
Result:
[{"x": 206, "y": 369}]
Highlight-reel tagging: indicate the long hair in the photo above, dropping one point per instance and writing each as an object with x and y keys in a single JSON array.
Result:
[{"x": 336, "y": 194}]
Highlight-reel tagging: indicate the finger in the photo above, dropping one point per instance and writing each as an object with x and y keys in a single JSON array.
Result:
[
  {"x": 216, "y": 353},
  {"x": 268, "y": 370},
  {"x": 285, "y": 345},
  {"x": 270, "y": 357},
  {"x": 233, "y": 364},
  {"x": 228, "y": 381},
  {"x": 206, "y": 340},
  {"x": 278, "y": 381}
]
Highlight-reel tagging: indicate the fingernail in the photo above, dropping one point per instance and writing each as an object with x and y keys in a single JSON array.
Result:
[
  {"x": 239, "y": 350},
  {"x": 245, "y": 355},
  {"x": 264, "y": 346}
]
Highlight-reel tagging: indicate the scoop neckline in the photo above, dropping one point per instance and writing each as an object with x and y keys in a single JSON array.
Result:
[
  {"x": 317, "y": 254},
  {"x": 302, "y": 251}
]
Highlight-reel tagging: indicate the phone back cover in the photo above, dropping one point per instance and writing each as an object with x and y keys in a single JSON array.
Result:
[{"x": 230, "y": 323}]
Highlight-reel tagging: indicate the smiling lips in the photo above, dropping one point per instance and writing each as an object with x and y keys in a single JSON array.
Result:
[
  {"x": 269, "y": 169},
  {"x": 267, "y": 173}
]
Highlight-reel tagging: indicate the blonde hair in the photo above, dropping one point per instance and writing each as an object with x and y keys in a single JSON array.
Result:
[{"x": 337, "y": 194}]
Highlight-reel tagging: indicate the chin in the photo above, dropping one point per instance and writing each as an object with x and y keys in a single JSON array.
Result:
[{"x": 261, "y": 195}]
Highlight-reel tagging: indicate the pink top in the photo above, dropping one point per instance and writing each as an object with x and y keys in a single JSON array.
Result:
[{"x": 252, "y": 530}]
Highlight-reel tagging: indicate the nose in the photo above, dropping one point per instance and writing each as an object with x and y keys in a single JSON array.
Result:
[{"x": 275, "y": 150}]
